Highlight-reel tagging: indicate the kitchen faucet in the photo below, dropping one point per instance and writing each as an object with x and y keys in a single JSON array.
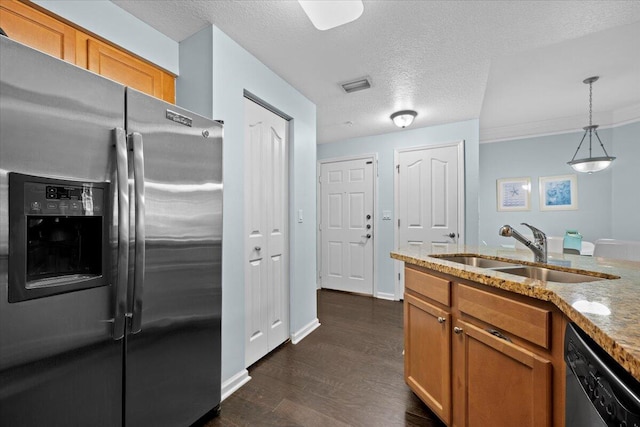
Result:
[{"x": 538, "y": 246}]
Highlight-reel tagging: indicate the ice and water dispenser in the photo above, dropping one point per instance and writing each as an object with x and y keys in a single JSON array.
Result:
[{"x": 58, "y": 236}]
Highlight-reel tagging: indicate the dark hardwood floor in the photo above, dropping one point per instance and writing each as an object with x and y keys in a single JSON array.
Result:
[{"x": 348, "y": 372}]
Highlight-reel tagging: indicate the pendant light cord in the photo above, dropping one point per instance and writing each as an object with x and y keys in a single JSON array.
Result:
[
  {"x": 590, "y": 114},
  {"x": 590, "y": 101}
]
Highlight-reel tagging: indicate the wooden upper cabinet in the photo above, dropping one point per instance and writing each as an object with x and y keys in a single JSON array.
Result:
[
  {"x": 116, "y": 65},
  {"x": 125, "y": 68},
  {"x": 40, "y": 31},
  {"x": 122, "y": 67}
]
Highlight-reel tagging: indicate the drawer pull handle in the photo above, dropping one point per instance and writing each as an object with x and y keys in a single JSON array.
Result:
[
  {"x": 457, "y": 330},
  {"x": 441, "y": 320},
  {"x": 499, "y": 335}
]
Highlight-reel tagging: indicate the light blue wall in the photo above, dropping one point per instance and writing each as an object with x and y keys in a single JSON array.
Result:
[
  {"x": 194, "y": 86},
  {"x": 385, "y": 145},
  {"x": 626, "y": 182},
  {"x": 234, "y": 70},
  {"x": 109, "y": 21},
  {"x": 545, "y": 156}
]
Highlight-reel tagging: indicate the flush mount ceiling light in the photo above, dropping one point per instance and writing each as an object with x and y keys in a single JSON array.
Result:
[
  {"x": 591, "y": 164},
  {"x": 325, "y": 15},
  {"x": 403, "y": 118}
]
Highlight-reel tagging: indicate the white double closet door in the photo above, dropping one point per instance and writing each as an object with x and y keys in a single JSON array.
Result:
[{"x": 267, "y": 238}]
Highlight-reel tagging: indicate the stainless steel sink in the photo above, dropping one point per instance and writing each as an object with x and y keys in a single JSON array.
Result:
[
  {"x": 548, "y": 275},
  {"x": 516, "y": 268},
  {"x": 477, "y": 261}
]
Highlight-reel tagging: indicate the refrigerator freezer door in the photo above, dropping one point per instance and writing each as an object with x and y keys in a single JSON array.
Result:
[
  {"x": 59, "y": 363},
  {"x": 173, "y": 362}
]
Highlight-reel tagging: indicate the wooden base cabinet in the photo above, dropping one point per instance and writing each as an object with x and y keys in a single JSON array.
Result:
[
  {"x": 427, "y": 357},
  {"x": 479, "y": 356},
  {"x": 499, "y": 383}
]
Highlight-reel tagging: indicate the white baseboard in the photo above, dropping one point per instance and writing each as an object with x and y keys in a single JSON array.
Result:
[
  {"x": 234, "y": 383},
  {"x": 296, "y": 337},
  {"x": 385, "y": 295}
]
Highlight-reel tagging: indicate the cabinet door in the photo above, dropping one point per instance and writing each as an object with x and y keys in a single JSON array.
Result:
[
  {"x": 33, "y": 28},
  {"x": 427, "y": 354},
  {"x": 128, "y": 70},
  {"x": 498, "y": 383}
]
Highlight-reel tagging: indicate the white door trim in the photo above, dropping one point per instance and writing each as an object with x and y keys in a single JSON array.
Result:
[
  {"x": 399, "y": 265},
  {"x": 376, "y": 224}
]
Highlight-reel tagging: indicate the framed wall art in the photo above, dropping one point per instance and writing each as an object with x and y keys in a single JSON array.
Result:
[
  {"x": 558, "y": 193},
  {"x": 513, "y": 194}
]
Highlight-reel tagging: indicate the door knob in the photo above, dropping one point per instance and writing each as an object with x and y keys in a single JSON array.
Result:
[
  {"x": 441, "y": 319},
  {"x": 257, "y": 248},
  {"x": 451, "y": 235},
  {"x": 368, "y": 226},
  {"x": 368, "y": 216},
  {"x": 457, "y": 330}
]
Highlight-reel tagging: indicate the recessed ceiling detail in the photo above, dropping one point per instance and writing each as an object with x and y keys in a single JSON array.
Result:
[
  {"x": 356, "y": 85},
  {"x": 325, "y": 15}
]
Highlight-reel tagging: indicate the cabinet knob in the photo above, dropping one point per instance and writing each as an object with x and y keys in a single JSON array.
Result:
[
  {"x": 441, "y": 319},
  {"x": 457, "y": 330}
]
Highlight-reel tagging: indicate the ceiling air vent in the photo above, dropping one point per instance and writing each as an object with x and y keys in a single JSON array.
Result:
[{"x": 356, "y": 85}]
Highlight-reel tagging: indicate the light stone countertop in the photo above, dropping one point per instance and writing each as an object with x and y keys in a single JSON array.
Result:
[{"x": 617, "y": 332}]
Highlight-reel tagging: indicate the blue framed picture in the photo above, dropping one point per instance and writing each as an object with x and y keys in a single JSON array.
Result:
[
  {"x": 558, "y": 193},
  {"x": 513, "y": 194}
]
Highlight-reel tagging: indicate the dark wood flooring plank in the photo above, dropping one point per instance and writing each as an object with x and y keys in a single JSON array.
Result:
[
  {"x": 348, "y": 372},
  {"x": 306, "y": 416}
]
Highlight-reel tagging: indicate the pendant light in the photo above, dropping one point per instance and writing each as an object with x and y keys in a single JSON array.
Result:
[
  {"x": 591, "y": 164},
  {"x": 403, "y": 118}
]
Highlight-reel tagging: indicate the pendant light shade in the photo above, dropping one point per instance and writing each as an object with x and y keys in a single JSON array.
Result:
[
  {"x": 591, "y": 164},
  {"x": 403, "y": 118}
]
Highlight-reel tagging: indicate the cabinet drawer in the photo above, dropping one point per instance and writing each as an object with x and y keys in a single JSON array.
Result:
[
  {"x": 430, "y": 286},
  {"x": 530, "y": 323}
]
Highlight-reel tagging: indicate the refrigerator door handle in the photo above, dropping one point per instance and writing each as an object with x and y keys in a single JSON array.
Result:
[
  {"x": 139, "y": 261},
  {"x": 122, "y": 174}
]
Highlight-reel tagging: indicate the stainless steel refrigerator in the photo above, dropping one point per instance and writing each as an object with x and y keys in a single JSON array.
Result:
[{"x": 110, "y": 251}]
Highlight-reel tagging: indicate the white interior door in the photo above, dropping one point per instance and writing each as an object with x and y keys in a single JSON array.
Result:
[
  {"x": 266, "y": 219},
  {"x": 429, "y": 185},
  {"x": 346, "y": 225}
]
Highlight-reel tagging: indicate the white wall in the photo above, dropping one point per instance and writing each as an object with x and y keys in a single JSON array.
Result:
[
  {"x": 109, "y": 21},
  {"x": 215, "y": 72},
  {"x": 385, "y": 145},
  {"x": 608, "y": 201}
]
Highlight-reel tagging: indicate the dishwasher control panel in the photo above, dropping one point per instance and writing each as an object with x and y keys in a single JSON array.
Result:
[{"x": 613, "y": 392}]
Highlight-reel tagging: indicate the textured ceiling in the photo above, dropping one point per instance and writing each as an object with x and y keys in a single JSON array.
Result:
[{"x": 431, "y": 56}]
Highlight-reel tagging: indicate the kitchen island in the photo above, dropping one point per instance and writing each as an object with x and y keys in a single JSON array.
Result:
[{"x": 475, "y": 310}]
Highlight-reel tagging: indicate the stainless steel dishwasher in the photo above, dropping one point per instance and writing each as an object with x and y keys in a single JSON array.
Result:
[{"x": 599, "y": 391}]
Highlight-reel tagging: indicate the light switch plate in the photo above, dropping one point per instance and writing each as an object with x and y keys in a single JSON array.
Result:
[{"x": 386, "y": 215}]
